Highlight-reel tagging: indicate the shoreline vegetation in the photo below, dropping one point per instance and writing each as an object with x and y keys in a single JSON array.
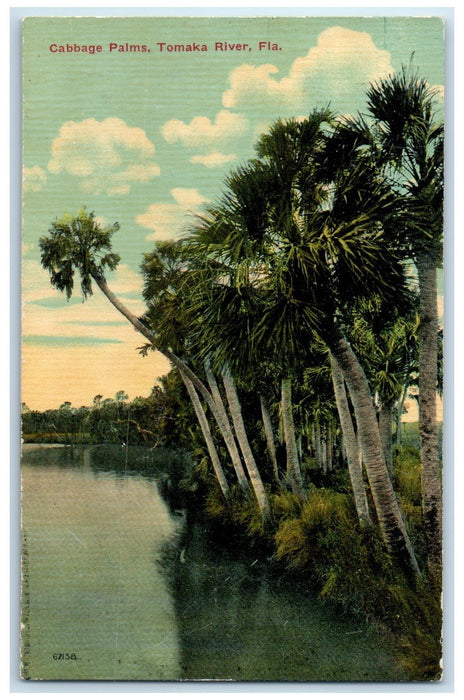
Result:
[{"x": 298, "y": 314}]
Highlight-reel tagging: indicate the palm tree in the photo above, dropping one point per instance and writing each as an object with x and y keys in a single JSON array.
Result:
[
  {"x": 330, "y": 222},
  {"x": 353, "y": 453},
  {"x": 384, "y": 338},
  {"x": 270, "y": 440},
  {"x": 293, "y": 466},
  {"x": 410, "y": 143},
  {"x": 242, "y": 437},
  {"x": 229, "y": 435},
  {"x": 168, "y": 277},
  {"x": 206, "y": 431},
  {"x": 80, "y": 244},
  {"x": 230, "y": 238}
]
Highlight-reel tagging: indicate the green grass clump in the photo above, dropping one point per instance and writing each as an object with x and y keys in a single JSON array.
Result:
[
  {"x": 239, "y": 516},
  {"x": 309, "y": 539},
  {"x": 285, "y": 504}
]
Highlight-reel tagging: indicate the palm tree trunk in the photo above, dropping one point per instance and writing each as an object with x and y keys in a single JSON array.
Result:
[
  {"x": 293, "y": 466},
  {"x": 428, "y": 359},
  {"x": 399, "y": 422},
  {"x": 350, "y": 440},
  {"x": 317, "y": 444},
  {"x": 385, "y": 430},
  {"x": 202, "y": 420},
  {"x": 176, "y": 361},
  {"x": 267, "y": 423},
  {"x": 228, "y": 433},
  {"x": 323, "y": 437},
  {"x": 240, "y": 431},
  {"x": 329, "y": 446},
  {"x": 390, "y": 517}
]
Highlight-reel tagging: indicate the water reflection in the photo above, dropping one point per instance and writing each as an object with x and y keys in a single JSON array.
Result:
[
  {"x": 237, "y": 620},
  {"x": 93, "y": 589}
]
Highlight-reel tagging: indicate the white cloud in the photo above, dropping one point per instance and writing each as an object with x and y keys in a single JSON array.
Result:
[
  {"x": 34, "y": 179},
  {"x": 107, "y": 156},
  {"x": 168, "y": 220},
  {"x": 187, "y": 197},
  {"x": 214, "y": 159},
  {"x": 202, "y": 133},
  {"x": 342, "y": 60}
]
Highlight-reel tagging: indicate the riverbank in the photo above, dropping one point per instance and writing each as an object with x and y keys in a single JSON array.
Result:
[{"x": 318, "y": 540}]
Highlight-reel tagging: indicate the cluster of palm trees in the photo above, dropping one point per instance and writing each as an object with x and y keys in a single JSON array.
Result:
[{"x": 319, "y": 259}]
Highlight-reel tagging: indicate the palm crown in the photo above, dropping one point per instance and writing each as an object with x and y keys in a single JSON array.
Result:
[{"x": 79, "y": 244}]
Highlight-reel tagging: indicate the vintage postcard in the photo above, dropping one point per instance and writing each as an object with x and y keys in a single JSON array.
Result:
[{"x": 232, "y": 348}]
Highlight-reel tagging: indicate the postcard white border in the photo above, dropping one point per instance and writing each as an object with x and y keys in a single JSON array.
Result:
[{"x": 10, "y": 285}]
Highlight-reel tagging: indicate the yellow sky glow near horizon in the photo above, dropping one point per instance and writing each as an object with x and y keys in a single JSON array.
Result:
[
  {"x": 78, "y": 374},
  {"x": 74, "y": 368}
]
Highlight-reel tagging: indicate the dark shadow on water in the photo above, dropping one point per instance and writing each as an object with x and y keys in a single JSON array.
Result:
[
  {"x": 238, "y": 620},
  {"x": 168, "y": 466}
]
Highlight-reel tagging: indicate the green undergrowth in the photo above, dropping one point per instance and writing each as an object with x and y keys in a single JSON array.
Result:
[
  {"x": 319, "y": 539},
  {"x": 407, "y": 475}
]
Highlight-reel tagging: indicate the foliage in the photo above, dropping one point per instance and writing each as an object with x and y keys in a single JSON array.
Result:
[
  {"x": 77, "y": 243},
  {"x": 306, "y": 541}
]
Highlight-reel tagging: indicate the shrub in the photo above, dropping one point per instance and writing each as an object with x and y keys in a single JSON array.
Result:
[
  {"x": 312, "y": 537},
  {"x": 285, "y": 504}
]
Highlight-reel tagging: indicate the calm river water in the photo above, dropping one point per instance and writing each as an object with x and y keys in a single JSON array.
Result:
[{"x": 116, "y": 587}]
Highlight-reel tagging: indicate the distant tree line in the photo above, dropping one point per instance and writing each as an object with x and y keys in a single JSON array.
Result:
[{"x": 152, "y": 421}]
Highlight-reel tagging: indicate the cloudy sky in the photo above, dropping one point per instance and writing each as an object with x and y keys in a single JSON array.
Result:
[{"x": 146, "y": 138}]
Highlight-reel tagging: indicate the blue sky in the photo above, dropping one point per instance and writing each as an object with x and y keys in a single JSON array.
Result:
[{"x": 147, "y": 137}]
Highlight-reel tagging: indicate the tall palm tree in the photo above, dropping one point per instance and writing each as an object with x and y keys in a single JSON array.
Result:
[
  {"x": 168, "y": 277},
  {"x": 410, "y": 143},
  {"x": 331, "y": 221},
  {"x": 206, "y": 431},
  {"x": 270, "y": 440},
  {"x": 181, "y": 306},
  {"x": 293, "y": 467},
  {"x": 242, "y": 437},
  {"x": 229, "y": 437},
  {"x": 233, "y": 236},
  {"x": 353, "y": 453},
  {"x": 384, "y": 338},
  {"x": 80, "y": 244}
]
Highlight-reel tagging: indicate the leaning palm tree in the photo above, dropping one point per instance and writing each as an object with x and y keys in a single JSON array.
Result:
[
  {"x": 173, "y": 304},
  {"x": 79, "y": 244},
  {"x": 384, "y": 338},
  {"x": 353, "y": 453},
  {"x": 409, "y": 141},
  {"x": 167, "y": 288}
]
